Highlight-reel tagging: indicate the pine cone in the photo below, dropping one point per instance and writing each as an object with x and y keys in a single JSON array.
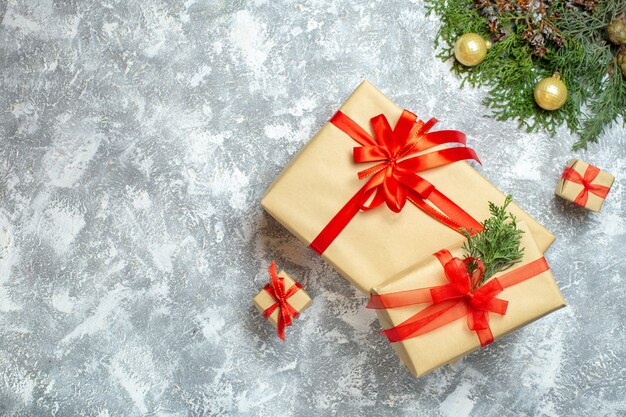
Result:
[
  {"x": 621, "y": 62},
  {"x": 528, "y": 34},
  {"x": 616, "y": 31}
]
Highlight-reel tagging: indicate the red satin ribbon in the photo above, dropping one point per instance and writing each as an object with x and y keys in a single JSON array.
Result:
[
  {"x": 276, "y": 289},
  {"x": 461, "y": 297},
  {"x": 590, "y": 174},
  {"x": 393, "y": 178}
]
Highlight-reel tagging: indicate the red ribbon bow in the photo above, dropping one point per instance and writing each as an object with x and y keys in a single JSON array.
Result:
[
  {"x": 591, "y": 173},
  {"x": 464, "y": 288},
  {"x": 394, "y": 179},
  {"x": 276, "y": 289},
  {"x": 461, "y": 297}
]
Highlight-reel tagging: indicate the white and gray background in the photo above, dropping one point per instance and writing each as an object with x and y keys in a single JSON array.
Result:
[{"x": 136, "y": 140}]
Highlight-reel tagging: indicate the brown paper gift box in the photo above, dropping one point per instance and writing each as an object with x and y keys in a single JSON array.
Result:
[
  {"x": 569, "y": 190},
  {"x": 299, "y": 301},
  {"x": 376, "y": 244},
  {"x": 528, "y": 301}
]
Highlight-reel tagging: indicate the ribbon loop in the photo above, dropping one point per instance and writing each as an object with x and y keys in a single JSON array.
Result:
[
  {"x": 370, "y": 153},
  {"x": 383, "y": 133}
]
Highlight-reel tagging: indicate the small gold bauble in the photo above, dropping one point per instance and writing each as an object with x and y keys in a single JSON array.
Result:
[
  {"x": 470, "y": 49},
  {"x": 616, "y": 31},
  {"x": 551, "y": 93}
]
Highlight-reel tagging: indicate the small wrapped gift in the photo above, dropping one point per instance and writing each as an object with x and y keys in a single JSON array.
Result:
[
  {"x": 584, "y": 184},
  {"x": 282, "y": 300},
  {"x": 433, "y": 317},
  {"x": 373, "y": 154}
]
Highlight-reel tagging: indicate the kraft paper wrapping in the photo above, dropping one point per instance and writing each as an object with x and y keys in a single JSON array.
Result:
[
  {"x": 300, "y": 300},
  {"x": 569, "y": 190},
  {"x": 376, "y": 244},
  {"x": 528, "y": 301}
]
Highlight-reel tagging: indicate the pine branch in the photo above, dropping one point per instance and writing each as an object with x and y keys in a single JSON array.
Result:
[
  {"x": 607, "y": 106},
  {"x": 532, "y": 40},
  {"x": 498, "y": 245}
]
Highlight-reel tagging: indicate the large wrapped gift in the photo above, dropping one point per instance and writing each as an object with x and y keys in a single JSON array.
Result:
[
  {"x": 433, "y": 317},
  {"x": 332, "y": 195}
]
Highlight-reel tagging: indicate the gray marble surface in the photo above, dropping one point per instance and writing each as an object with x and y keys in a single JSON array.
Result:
[{"x": 136, "y": 139}]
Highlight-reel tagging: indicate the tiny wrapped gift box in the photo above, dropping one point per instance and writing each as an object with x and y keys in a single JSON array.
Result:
[
  {"x": 584, "y": 185},
  {"x": 280, "y": 305}
]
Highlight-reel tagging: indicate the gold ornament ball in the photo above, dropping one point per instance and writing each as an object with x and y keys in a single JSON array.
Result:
[
  {"x": 470, "y": 49},
  {"x": 551, "y": 93},
  {"x": 616, "y": 31}
]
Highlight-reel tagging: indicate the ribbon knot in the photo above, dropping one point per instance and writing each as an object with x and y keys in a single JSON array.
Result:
[
  {"x": 276, "y": 290},
  {"x": 586, "y": 181}
]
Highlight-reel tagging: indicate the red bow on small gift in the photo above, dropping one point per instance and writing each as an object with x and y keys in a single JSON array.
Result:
[
  {"x": 276, "y": 289},
  {"x": 461, "y": 297},
  {"x": 591, "y": 173}
]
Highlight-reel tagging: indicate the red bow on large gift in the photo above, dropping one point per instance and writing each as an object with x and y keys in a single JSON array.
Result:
[
  {"x": 276, "y": 289},
  {"x": 393, "y": 178},
  {"x": 463, "y": 296},
  {"x": 586, "y": 180}
]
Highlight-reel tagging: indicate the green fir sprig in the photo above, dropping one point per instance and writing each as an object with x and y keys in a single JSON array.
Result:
[
  {"x": 498, "y": 245},
  {"x": 532, "y": 40}
]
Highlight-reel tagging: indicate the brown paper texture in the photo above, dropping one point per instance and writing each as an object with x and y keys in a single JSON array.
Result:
[
  {"x": 570, "y": 190},
  {"x": 528, "y": 301},
  {"x": 300, "y": 300},
  {"x": 376, "y": 244}
]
